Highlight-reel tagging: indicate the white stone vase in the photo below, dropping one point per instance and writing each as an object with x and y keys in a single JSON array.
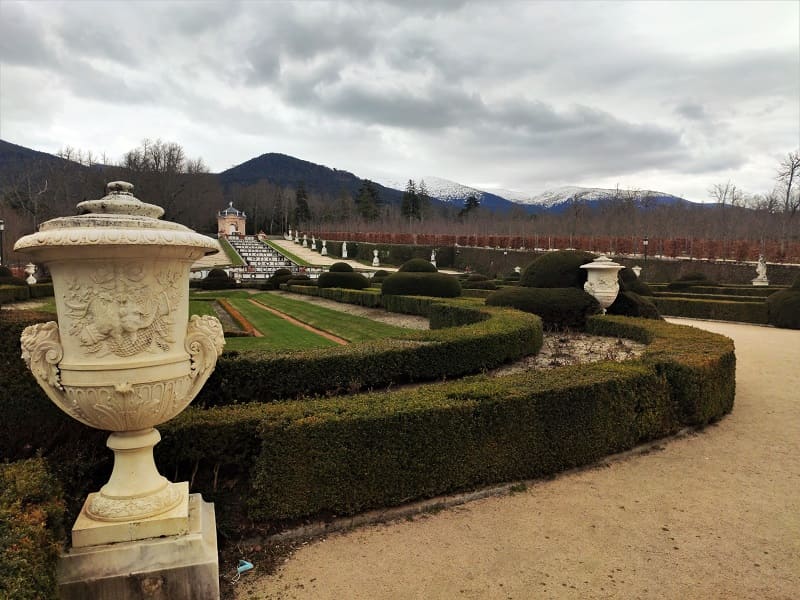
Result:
[
  {"x": 124, "y": 355},
  {"x": 601, "y": 281}
]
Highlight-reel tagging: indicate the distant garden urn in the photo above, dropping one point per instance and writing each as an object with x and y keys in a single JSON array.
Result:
[
  {"x": 124, "y": 355},
  {"x": 602, "y": 282}
]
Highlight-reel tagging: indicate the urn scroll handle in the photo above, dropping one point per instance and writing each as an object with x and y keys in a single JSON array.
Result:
[
  {"x": 204, "y": 343},
  {"x": 42, "y": 351}
]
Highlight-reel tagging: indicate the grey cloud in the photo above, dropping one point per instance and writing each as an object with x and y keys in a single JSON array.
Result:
[
  {"x": 692, "y": 111},
  {"x": 22, "y": 37}
]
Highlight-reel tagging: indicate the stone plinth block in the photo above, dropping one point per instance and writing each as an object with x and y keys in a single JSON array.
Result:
[{"x": 176, "y": 567}]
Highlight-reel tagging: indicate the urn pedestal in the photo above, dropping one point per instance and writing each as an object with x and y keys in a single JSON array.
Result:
[{"x": 124, "y": 355}]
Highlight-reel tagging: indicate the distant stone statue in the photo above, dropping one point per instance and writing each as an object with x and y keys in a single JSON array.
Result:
[
  {"x": 433, "y": 257},
  {"x": 761, "y": 272},
  {"x": 375, "y": 261},
  {"x": 344, "y": 249},
  {"x": 30, "y": 269},
  {"x": 305, "y": 241},
  {"x": 324, "y": 251},
  {"x": 288, "y": 236},
  {"x": 313, "y": 243}
]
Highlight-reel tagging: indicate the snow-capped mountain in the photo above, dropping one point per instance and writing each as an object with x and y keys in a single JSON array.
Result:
[{"x": 452, "y": 192}]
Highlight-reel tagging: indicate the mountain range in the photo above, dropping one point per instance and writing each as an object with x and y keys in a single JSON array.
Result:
[{"x": 284, "y": 170}]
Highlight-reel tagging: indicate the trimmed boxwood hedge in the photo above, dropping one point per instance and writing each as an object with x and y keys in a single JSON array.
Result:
[
  {"x": 438, "y": 285},
  {"x": 417, "y": 265},
  {"x": 558, "y": 269},
  {"x": 559, "y": 308},
  {"x": 343, "y": 279},
  {"x": 489, "y": 338},
  {"x": 342, "y": 455},
  {"x": 631, "y": 304},
  {"x": 784, "y": 307},
  {"x": 743, "y": 312},
  {"x": 31, "y": 530},
  {"x": 345, "y": 455}
]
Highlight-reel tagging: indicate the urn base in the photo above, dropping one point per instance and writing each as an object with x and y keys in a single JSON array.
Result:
[{"x": 91, "y": 532}]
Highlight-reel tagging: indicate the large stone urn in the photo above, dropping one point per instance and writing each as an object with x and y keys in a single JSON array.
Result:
[
  {"x": 124, "y": 355},
  {"x": 602, "y": 281}
]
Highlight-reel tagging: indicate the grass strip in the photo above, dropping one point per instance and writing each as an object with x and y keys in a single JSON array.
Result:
[
  {"x": 292, "y": 257},
  {"x": 232, "y": 255},
  {"x": 344, "y": 325},
  {"x": 279, "y": 334}
]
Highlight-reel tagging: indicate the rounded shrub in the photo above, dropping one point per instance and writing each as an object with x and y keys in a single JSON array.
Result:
[
  {"x": 559, "y": 308},
  {"x": 277, "y": 278},
  {"x": 631, "y": 304},
  {"x": 558, "y": 269},
  {"x": 476, "y": 281},
  {"x": 688, "y": 280},
  {"x": 783, "y": 307},
  {"x": 438, "y": 285},
  {"x": 340, "y": 267},
  {"x": 379, "y": 276},
  {"x": 217, "y": 279},
  {"x": 417, "y": 265},
  {"x": 300, "y": 280},
  {"x": 629, "y": 282},
  {"x": 343, "y": 279}
]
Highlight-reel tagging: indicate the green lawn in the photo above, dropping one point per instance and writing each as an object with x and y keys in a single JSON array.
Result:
[
  {"x": 202, "y": 307},
  {"x": 279, "y": 334},
  {"x": 343, "y": 325},
  {"x": 294, "y": 258},
  {"x": 232, "y": 255}
]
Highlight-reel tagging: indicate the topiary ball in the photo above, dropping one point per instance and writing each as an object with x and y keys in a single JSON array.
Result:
[
  {"x": 217, "y": 279},
  {"x": 339, "y": 279},
  {"x": 341, "y": 267},
  {"x": 629, "y": 282},
  {"x": 477, "y": 277},
  {"x": 417, "y": 265},
  {"x": 437, "y": 285},
  {"x": 278, "y": 277},
  {"x": 631, "y": 304},
  {"x": 217, "y": 274},
  {"x": 558, "y": 269},
  {"x": 559, "y": 308},
  {"x": 784, "y": 308}
]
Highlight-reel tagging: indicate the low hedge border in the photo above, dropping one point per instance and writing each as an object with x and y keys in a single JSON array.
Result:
[
  {"x": 486, "y": 339},
  {"x": 715, "y": 297},
  {"x": 345, "y": 455},
  {"x": 742, "y": 312},
  {"x": 21, "y": 293},
  {"x": 752, "y": 291},
  {"x": 31, "y": 530}
]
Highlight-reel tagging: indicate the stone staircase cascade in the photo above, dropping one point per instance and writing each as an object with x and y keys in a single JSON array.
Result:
[{"x": 262, "y": 260}]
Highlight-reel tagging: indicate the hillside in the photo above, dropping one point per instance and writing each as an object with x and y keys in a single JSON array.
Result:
[{"x": 284, "y": 170}]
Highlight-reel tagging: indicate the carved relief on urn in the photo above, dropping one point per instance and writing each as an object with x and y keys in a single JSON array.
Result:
[
  {"x": 602, "y": 282},
  {"x": 124, "y": 355}
]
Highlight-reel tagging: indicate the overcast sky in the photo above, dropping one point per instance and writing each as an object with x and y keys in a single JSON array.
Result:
[{"x": 527, "y": 96}]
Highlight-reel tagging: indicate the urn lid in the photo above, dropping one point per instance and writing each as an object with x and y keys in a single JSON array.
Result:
[
  {"x": 602, "y": 262},
  {"x": 117, "y": 219}
]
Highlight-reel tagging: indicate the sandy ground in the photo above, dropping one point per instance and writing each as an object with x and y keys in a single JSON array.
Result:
[{"x": 712, "y": 515}]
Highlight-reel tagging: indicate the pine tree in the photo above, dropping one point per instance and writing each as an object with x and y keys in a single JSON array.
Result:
[
  {"x": 409, "y": 206},
  {"x": 470, "y": 204},
  {"x": 302, "y": 213},
  {"x": 367, "y": 200},
  {"x": 424, "y": 199}
]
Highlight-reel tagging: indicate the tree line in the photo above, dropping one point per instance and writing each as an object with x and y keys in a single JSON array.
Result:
[{"x": 163, "y": 174}]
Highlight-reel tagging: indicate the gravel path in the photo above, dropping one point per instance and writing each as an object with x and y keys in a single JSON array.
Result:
[{"x": 712, "y": 515}]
